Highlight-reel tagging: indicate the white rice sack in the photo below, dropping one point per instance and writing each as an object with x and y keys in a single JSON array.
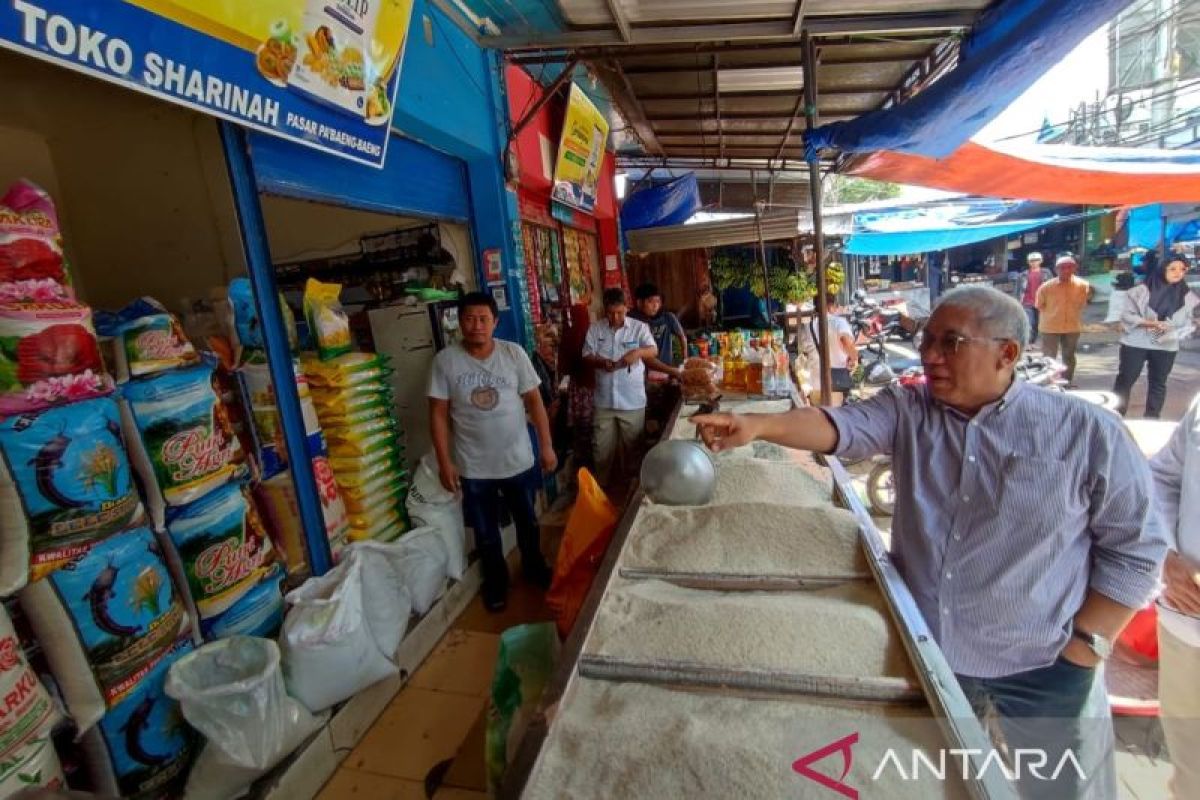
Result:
[
  {"x": 27, "y": 756},
  {"x": 337, "y": 641}
]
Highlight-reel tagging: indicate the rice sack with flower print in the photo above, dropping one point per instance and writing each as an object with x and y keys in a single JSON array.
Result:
[
  {"x": 186, "y": 447},
  {"x": 103, "y": 617},
  {"x": 220, "y": 549},
  {"x": 65, "y": 482},
  {"x": 48, "y": 356},
  {"x": 27, "y": 756},
  {"x": 31, "y": 252}
]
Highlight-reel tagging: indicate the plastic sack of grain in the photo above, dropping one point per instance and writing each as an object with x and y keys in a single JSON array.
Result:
[
  {"x": 247, "y": 327},
  {"x": 277, "y": 501},
  {"x": 419, "y": 558},
  {"x": 233, "y": 693},
  {"x": 350, "y": 369},
  {"x": 27, "y": 756},
  {"x": 339, "y": 408},
  {"x": 185, "y": 447},
  {"x": 327, "y": 322},
  {"x": 220, "y": 549},
  {"x": 384, "y": 527},
  {"x": 30, "y": 243},
  {"x": 259, "y": 612},
  {"x": 142, "y": 748},
  {"x": 150, "y": 344},
  {"x": 48, "y": 356},
  {"x": 430, "y": 505},
  {"x": 103, "y": 617},
  {"x": 272, "y": 447},
  {"x": 341, "y": 631},
  {"x": 64, "y": 481}
]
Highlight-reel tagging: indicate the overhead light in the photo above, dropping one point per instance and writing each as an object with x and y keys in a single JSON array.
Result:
[{"x": 759, "y": 79}]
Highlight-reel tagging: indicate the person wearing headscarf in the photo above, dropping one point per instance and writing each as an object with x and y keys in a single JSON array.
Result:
[{"x": 1158, "y": 315}]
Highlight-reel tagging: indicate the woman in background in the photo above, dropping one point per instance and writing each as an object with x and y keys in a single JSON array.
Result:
[{"x": 1158, "y": 315}]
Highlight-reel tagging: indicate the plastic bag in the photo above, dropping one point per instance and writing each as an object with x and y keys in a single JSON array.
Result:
[
  {"x": 27, "y": 757},
  {"x": 103, "y": 618},
  {"x": 345, "y": 370},
  {"x": 328, "y": 323},
  {"x": 221, "y": 549},
  {"x": 590, "y": 526},
  {"x": 523, "y": 668},
  {"x": 232, "y": 691},
  {"x": 48, "y": 356},
  {"x": 64, "y": 481},
  {"x": 384, "y": 528},
  {"x": 30, "y": 243},
  {"x": 142, "y": 748},
  {"x": 186, "y": 447},
  {"x": 247, "y": 326},
  {"x": 430, "y": 505},
  {"x": 341, "y": 632}
]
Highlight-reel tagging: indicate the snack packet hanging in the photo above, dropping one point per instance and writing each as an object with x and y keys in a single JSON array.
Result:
[
  {"x": 103, "y": 618},
  {"x": 30, "y": 242},
  {"x": 221, "y": 549},
  {"x": 327, "y": 322},
  {"x": 48, "y": 356},
  {"x": 64, "y": 481},
  {"x": 186, "y": 447}
]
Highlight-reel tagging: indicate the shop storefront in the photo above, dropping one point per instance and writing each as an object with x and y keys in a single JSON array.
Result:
[{"x": 209, "y": 164}]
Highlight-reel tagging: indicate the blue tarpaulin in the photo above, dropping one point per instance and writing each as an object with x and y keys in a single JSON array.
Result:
[
  {"x": 1145, "y": 227},
  {"x": 671, "y": 203},
  {"x": 1010, "y": 47},
  {"x": 898, "y": 243}
]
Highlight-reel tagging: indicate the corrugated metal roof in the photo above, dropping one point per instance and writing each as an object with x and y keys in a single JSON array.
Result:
[{"x": 776, "y": 226}]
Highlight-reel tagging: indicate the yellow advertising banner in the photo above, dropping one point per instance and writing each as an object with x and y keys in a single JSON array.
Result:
[{"x": 580, "y": 153}]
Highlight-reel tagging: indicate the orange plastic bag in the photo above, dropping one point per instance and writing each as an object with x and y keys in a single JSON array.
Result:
[
  {"x": 1141, "y": 634},
  {"x": 589, "y": 529}
]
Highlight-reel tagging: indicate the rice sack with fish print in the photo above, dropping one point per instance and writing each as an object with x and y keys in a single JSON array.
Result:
[
  {"x": 65, "y": 482},
  {"x": 27, "y": 756},
  {"x": 143, "y": 747},
  {"x": 185, "y": 447},
  {"x": 48, "y": 356},
  {"x": 220, "y": 550},
  {"x": 103, "y": 617}
]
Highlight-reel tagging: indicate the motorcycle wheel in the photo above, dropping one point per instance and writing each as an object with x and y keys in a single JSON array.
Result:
[{"x": 881, "y": 489}]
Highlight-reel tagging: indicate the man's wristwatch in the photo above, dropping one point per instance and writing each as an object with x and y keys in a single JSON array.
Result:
[{"x": 1100, "y": 646}]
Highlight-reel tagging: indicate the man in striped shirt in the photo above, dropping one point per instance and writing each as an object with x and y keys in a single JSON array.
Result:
[{"x": 1024, "y": 526}]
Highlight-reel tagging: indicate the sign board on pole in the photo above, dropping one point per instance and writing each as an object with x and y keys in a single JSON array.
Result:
[
  {"x": 322, "y": 73},
  {"x": 580, "y": 153}
]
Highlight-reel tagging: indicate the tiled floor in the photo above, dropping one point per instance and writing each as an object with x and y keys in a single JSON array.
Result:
[{"x": 429, "y": 743}]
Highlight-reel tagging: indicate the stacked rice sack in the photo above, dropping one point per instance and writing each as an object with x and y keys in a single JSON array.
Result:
[
  {"x": 91, "y": 575},
  {"x": 353, "y": 401},
  {"x": 276, "y": 493}
]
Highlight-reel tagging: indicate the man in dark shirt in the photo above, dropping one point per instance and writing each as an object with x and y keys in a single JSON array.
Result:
[{"x": 661, "y": 392}]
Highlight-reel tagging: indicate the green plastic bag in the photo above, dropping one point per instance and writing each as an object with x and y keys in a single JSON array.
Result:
[{"x": 527, "y": 657}]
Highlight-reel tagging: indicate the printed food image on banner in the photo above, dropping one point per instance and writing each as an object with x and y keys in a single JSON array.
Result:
[
  {"x": 580, "y": 153},
  {"x": 322, "y": 73},
  {"x": 64, "y": 481}
]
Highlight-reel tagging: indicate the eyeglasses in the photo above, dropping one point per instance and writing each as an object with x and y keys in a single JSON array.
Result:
[{"x": 949, "y": 344}]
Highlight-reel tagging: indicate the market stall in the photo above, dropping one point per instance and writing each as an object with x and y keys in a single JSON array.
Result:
[
  {"x": 172, "y": 235},
  {"x": 777, "y": 637}
]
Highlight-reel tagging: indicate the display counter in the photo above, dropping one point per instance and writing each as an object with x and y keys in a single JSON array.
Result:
[{"x": 761, "y": 645}]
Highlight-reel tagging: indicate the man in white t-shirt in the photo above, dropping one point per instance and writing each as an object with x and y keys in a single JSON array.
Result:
[
  {"x": 615, "y": 347},
  {"x": 1177, "y": 483},
  {"x": 480, "y": 391}
]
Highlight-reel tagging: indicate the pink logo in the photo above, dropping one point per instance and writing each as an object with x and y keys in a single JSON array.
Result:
[{"x": 843, "y": 746}]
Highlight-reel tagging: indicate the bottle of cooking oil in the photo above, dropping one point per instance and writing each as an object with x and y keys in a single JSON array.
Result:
[{"x": 754, "y": 371}]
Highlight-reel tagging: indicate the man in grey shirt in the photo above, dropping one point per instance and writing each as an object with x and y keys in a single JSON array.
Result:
[
  {"x": 481, "y": 391},
  {"x": 1024, "y": 526}
]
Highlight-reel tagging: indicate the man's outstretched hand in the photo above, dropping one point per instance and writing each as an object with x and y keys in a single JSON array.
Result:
[{"x": 724, "y": 431}]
